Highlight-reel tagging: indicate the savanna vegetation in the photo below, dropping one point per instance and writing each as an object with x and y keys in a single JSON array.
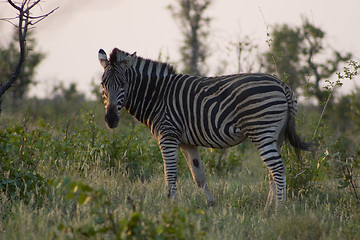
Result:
[{"x": 65, "y": 175}]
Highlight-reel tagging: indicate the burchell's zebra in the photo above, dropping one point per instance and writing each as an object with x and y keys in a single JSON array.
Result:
[{"x": 184, "y": 112}]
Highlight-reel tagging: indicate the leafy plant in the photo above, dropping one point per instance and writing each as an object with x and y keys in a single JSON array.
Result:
[
  {"x": 316, "y": 166},
  {"x": 171, "y": 225},
  {"x": 21, "y": 151},
  {"x": 347, "y": 166}
]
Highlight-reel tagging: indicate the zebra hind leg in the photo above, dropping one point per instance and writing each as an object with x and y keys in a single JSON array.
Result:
[
  {"x": 277, "y": 173},
  {"x": 193, "y": 159},
  {"x": 270, "y": 197}
]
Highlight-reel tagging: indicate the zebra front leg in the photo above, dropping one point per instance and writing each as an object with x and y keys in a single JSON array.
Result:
[
  {"x": 193, "y": 159},
  {"x": 170, "y": 150}
]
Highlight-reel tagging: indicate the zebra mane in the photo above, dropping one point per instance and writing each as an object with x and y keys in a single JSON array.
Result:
[{"x": 118, "y": 55}]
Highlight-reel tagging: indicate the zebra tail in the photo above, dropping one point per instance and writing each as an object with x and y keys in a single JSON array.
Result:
[
  {"x": 294, "y": 139},
  {"x": 290, "y": 131}
]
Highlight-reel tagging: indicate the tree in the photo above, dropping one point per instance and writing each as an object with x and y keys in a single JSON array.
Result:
[
  {"x": 295, "y": 57},
  {"x": 284, "y": 56},
  {"x": 313, "y": 38},
  {"x": 8, "y": 59},
  {"x": 70, "y": 94},
  {"x": 194, "y": 27},
  {"x": 25, "y": 21}
]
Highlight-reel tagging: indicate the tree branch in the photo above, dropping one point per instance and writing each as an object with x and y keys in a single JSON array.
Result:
[
  {"x": 9, "y": 20},
  {"x": 42, "y": 17},
  {"x": 33, "y": 5},
  {"x": 25, "y": 18},
  {"x": 14, "y": 5}
]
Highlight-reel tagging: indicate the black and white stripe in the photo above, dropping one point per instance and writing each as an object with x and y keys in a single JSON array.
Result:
[{"x": 187, "y": 111}]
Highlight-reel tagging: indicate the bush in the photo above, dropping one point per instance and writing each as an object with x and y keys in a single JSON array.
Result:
[
  {"x": 76, "y": 146},
  {"x": 172, "y": 224},
  {"x": 21, "y": 151}
]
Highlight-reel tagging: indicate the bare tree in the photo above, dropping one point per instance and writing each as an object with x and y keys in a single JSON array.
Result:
[{"x": 24, "y": 21}]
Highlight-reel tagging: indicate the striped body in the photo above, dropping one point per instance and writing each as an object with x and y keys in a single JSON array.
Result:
[{"x": 186, "y": 111}]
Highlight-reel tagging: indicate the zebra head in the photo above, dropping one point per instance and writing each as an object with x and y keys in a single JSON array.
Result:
[{"x": 114, "y": 83}]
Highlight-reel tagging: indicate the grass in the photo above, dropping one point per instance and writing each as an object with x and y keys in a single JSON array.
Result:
[
  {"x": 239, "y": 213},
  {"x": 92, "y": 183}
]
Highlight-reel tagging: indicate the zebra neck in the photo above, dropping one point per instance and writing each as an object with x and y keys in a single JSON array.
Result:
[{"x": 147, "y": 87}]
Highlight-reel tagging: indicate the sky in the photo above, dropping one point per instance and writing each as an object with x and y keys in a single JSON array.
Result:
[{"x": 72, "y": 36}]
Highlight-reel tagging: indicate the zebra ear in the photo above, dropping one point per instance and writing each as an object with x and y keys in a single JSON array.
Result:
[
  {"x": 128, "y": 61},
  {"x": 103, "y": 58}
]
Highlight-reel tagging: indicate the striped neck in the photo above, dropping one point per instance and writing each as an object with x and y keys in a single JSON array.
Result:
[{"x": 148, "y": 82}]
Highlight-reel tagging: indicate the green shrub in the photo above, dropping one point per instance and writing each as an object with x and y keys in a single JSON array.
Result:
[
  {"x": 21, "y": 151},
  {"x": 174, "y": 223}
]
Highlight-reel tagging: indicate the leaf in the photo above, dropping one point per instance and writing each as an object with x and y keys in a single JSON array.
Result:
[
  {"x": 61, "y": 227},
  {"x": 66, "y": 181},
  {"x": 100, "y": 220},
  {"x": 70, "y": 195},
  {"x": 83, "y": 198},
  {"x": 200, "y": 212},
  {"x": 85, "y": 188},
  {"x": 75, "y": 188}
]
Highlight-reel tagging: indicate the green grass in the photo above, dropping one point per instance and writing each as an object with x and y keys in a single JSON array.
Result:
[
  {"x": 239, "y": 213},
  {"x": 77, "y": 180}
]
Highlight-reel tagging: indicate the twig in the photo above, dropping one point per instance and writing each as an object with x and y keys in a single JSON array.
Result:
[
  {"x": 268, "y": 41},
  {"x": 130, "y": 201},
  {"x": 352, "y": 182},
  {"x": 321, "y": 116},
  {"x": 42, "y": 17},
  {"x": 113, "y": 224},
  {"x": 33, "y": 5},
  {"x": 9, "y": 21}
]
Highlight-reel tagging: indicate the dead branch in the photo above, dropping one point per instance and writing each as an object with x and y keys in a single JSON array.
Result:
[
  {"x": 25, "y": 19},
  {"x": 42, "y": 17}
]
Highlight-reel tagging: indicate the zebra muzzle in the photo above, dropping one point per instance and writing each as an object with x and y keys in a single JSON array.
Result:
[{"x": 112, "y": 117}]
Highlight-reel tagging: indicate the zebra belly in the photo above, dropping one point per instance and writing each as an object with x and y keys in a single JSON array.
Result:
[{"x": 223, "y": 137}]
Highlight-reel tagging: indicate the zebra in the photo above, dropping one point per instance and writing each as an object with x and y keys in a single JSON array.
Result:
[{"x": 184, "y": 112}]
